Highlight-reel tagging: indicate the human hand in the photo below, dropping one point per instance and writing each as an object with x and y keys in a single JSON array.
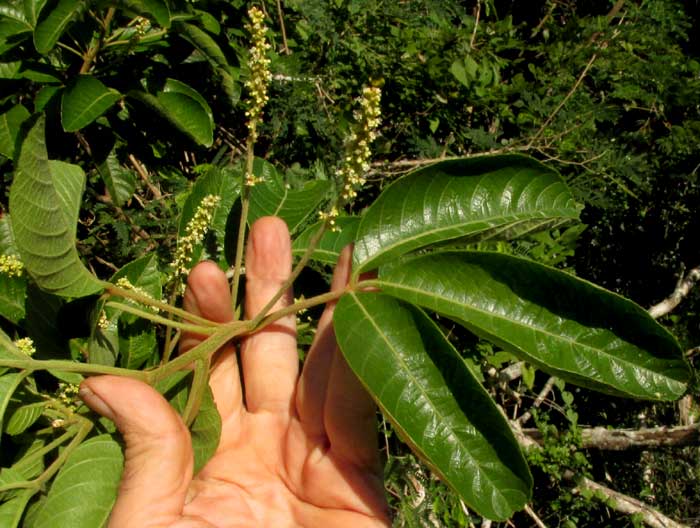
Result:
[{"x": 295, "y": 450}]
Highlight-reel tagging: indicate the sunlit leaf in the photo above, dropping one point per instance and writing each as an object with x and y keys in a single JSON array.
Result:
[
  {"x": 424, "y": 388},
  {"x": 273, "y": 197},
  {"x": 44, "y": 205},
  {"x": 559, "y": 323},
  {"x": 489, "y": 197},
  {"x": 85, "y": 100},
  {"x": 52, "y": 25},
  {"x": 84, "y": 491},
  {"x": 331, "y": 243}
]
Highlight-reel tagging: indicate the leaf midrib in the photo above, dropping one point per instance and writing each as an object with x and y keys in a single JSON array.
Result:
[
  {"x": 536, "y": 329},
  {"x": 422, "y": 391}
]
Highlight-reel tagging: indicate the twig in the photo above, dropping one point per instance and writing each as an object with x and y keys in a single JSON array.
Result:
[
  {"x": 97, "y": 42},
  {"x": 285, "y": 47},
  {"x": 571, "y": 92},
  {"x": 477, "y": 14},
  {"x": 622, "y": 439},
  {"x": 685, "y": 284},
  {"x": 534, "y": 517},
  {"x": 538, "y": 401},
  {"x": 141, "y": 170},
  {"x": 624, "y": 503}
]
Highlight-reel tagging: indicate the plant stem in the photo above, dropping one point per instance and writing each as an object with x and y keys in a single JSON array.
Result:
[
  {"x": 245, "y": 205},
  {"x": 73, "y": 366},
  {"x": 206, "y": 330},
  {"x": 303, "y": 261},
  {"x": 200, "y": 381},
  {"x": 298, "y": 306},
  {"x": 166, "y": 307},
  {"x": 97, "y": 42}
]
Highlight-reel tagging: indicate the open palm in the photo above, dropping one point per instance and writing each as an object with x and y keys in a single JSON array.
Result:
[{"x": 295, "y": 450}]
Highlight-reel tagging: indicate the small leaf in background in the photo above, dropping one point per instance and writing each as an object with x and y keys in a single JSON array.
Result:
[
  {"x": 12, "y": 510},
  {"x": 10, "y": 123},
  {"x": 51, "y": 25},
  {"x": 273, "y": 197},
  {"x": 85, "y": 100},
  {"x": 84, "y": 491},
  {"x": 557, "y": 322},
  {"x": 184, "y": 111},
  {"x": 8, "y": 385},
  {"x": 331, "y": 243},
  {"x": 13, "y": 291},
  {"x": 158, "y": 9},
  {"x": 44, "y": 205},
  {"x": 119, "y": 181},
  {"x": 482, "y": 198},
  {"x": 424, "y": 388},
  {"x": 23, "y": 417}
]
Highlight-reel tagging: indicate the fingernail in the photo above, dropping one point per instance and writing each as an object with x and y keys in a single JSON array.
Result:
[{"x": 95, "y": 403}]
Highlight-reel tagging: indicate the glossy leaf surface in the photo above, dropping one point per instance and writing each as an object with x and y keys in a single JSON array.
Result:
[
  {"x": 428, "y": 393},
  {"x": 84, "y": 101},
  {"x": 84, "y": 491},
  {"x": 44, "y": 204},
  {"x": 562, "y": 324},
  {"x": 331, "y": 243},
  {"x": 468, "y": 199},
  {"x": 273, "y": 197},
  {"x": 50, "y": 28}
]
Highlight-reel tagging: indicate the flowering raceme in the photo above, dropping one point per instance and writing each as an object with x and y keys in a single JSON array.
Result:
[
  {"x": 194, "y": 234},
  {"x": 11, "y": 265}
]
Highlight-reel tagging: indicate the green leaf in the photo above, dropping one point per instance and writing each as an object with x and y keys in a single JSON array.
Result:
[
  {"x": 224, "y": 184},
  {"x": 84, "y": 101},
  {"x": 472, "y": 199},
  {"x": 183, "y": 111},
  {"x": 459, "y": 73},
  {"x": 559, "y": 323},
  {"x": 273, "y": 197},
  {"x": 8, "y": 384},
  {"x": 32, "y": 8},
  {"x": 143, "y": 273},
  {"x": 51, "y": 27},
  {"x": 137, "y": 343},
  {"x": 177, "y": 87},
  {"x": 424, "y": 388},
  {"x": 84, "y": 491},
  {"x": 331, "y": 243},
  {"x": 206, "y": 429},
  {"x": 44, "y": 205},
  {"x": 10, "y": 123},
  {"x": 205, "y": 44},
  {"x": 23, "y": 417},
  {"x": 44, "y": 96},
  {"x": 11, "y": 511},
  {"x": 120, "y": 181},
  {"x": 158, "y": 9},
  {"x": 13, "y": 291},
  {"x": 9, "y": 70}
]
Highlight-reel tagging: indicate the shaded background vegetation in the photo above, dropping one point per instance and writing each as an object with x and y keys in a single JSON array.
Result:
[{"x": 606, "y": 92}]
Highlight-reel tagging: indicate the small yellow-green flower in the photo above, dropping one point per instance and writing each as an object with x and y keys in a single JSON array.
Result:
[
  {"x": 67, "y": 394},
  {"x": 194, "y": 234},
  {"x": 11, "y": 265},
  {"x": 355, "y": 163},
  {"x": 124, "y": 282},
  {"x": 260, "y": 75},
  {"x": 26, "y": 346}
]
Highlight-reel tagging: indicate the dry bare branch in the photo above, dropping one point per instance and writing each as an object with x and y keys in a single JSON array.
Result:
[{"x": 685, "y": 284}]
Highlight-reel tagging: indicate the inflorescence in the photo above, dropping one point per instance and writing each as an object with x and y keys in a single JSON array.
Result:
[
  {"x": 194, "y": 234},
  {"x": 357, "y": 145},
  {"x": 260, "y": 75},
  {"x": 11, "y": 265}
]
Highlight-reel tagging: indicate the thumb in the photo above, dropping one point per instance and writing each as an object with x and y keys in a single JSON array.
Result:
[{"x": 159, "y": 459}]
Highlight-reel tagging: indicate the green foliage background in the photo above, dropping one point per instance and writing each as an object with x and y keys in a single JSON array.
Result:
[{"x": 608, "y": 93}]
